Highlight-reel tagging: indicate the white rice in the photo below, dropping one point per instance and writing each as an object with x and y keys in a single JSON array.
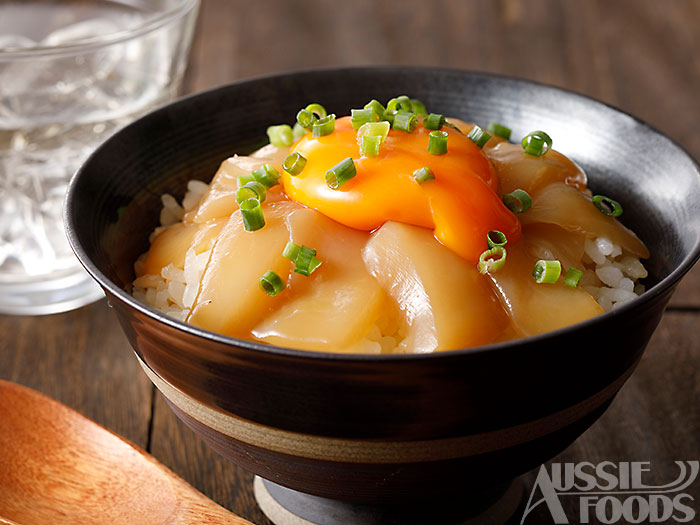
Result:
[
  {"x": 611, "y": 275},
  {"x": 174, "y": 291}
]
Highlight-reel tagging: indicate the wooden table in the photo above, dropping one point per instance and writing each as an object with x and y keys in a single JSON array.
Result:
[{"x": 643, "y": 57}]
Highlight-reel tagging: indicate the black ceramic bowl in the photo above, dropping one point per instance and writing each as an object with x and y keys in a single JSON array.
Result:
[{"x": 374, "y": 428}]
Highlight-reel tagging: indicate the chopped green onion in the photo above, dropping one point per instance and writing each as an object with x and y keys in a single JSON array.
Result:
[
  {"x": 303, "y": 258},
  {"x": 341, "y": 173},
  {"x": 499, "y": 130},
  {"x": 546, "y": 271},
  {"x": 370, "y": 145},
  {"x": 267, "y": 175},
  {"x": 317, "y": 109},
  {"x": 433, "y": 121},
  {"x": 291, "y": 251},
  {"x": 376, "y": 106},
  {"x": 389, "y": 115},
  {"x": 401, "y": 102},
  {"x": 478, "y": 136},
  {"x": 306, "y": 119},
  {"x": 492, "y": 260},
  {"x": 370, "y": 136},
  {"x": 517, "y": 201},
  {"x": 496, "y": 238},
  {"x": 294, "y": 163},
  {"x": 323, "y": 126},
  {"x": 572, "y": 277},
  {"x": 245, "y": 179},
  {"x": 418, "y": 107},
  {"x": 252, "y": 214},
  {"x": 437, "y": 142},
  {"x": 306, "y": 262},
  {"x": 405, "y": 121},
  {"x": 379, "y": 129},
  {"x": 271, "y": 283},
  {"x": 280, "y": 135},
  {"x": 251, "y": 190},
  {"x": 607, "y": 206},
  {"x": 423, "y": 174},
  {"x": 298, "y": 131},
  {"x": 534, "y": 143},
  {"x": 362, "y": 116}
]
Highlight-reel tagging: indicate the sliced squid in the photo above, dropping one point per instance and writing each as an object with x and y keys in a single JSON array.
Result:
[
  {"x": 444, "y": 301},
  {"x": 573, "y": 210}
]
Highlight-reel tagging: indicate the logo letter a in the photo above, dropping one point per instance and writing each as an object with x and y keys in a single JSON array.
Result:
[{"x": 549, "y": 496}]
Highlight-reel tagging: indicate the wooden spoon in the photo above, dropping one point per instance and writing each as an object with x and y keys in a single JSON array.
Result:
[{"x": 57, "y": 466}]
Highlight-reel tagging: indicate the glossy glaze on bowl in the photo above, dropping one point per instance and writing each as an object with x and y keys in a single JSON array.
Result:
[{"x": 377, "y": 428}]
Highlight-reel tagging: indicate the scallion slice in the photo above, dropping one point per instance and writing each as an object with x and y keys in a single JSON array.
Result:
[
  {"x": 370, "y": 145},
  {"x": 572, "y": 277},
  {"x": 251, "y": 190},
  {"x": 341, "y": 173},
  {"x": 362, "y": 116},
  {"x": 500, "y": 130},
  {"x": 478, "y": 136},
  {"x": 304, "y": 258},
  {"x": 496, "y": 238},
  {"x": 437, "y": 142},
  {"x": 492, "y": 260},
  {"x": 317, "y": 109},
  {"x": 607, "y": 206},
  {"x": 271, "y": 283},
  {"x": 389, "y": 115},
  {"x": 370, "y": 137},
  {"x": 423, "y": 174},
  {"x": 433, "y": 121},
  {"x": 252, "y": 214},
  {"x": 534, "y": 143},
  {"x": 546, "y": 271},
  {"x": 291, "y": 251},
  {"x": 294, "y": 163},
  {"x": 400, "y": 103},
  {"x": 379, "y": 129},
  {"x": 418, "y": 107},
  {"x": 517, "y": 201},
  {"x": 377, "y": 107},
  {"x": 306, "y": 119},
  {"x": 306, "y": 262},
  {"x": 267, "y": 175},
  {"x": 281, "y": 135},
  {"x": 405, "y": 121},
  {"x": 323, "y": 126},
  {"x": 245, "y": 179}
]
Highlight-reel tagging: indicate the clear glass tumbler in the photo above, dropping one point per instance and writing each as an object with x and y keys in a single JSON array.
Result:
[{"x": 72, "y": 72}]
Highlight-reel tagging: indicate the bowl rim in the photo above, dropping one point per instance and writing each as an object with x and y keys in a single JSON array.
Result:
[
  {"x": 512, "y": 345},
  {"x": 148, "y": 25}
]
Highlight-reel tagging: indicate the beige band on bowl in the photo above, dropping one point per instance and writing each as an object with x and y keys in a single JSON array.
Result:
[{"x": 365, "y": 451}]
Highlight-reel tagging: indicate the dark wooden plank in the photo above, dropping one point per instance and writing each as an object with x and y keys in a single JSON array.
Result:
[
  {"x": 179, "y": 448},
  {"x": 82, "y": 359}
]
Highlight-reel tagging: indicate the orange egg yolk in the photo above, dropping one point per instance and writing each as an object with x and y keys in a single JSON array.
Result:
[{"x": 461, "y": 204}]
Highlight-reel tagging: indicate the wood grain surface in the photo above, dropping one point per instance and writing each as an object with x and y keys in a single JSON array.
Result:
[{"x": 641, "y": 56}]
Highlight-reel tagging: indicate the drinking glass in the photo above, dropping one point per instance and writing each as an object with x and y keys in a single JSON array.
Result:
[{"x": 72, "y": 72}]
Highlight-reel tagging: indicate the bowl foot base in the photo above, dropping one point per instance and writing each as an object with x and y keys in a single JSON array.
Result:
[{"x": 284, "y": 506}]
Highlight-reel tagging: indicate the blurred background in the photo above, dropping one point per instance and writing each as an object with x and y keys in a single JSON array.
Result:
[{"x": 642, "y": 56}]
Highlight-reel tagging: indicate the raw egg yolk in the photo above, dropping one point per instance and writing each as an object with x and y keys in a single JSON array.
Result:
[{"x": 461, "y": 204}]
